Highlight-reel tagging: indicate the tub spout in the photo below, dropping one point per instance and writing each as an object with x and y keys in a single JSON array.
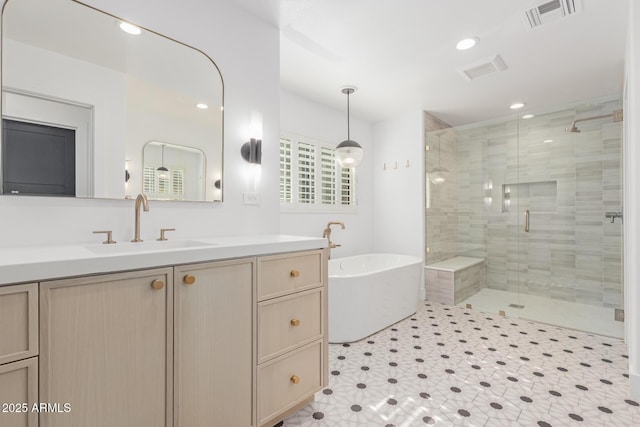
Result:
[{"x": 327, "y": 234}]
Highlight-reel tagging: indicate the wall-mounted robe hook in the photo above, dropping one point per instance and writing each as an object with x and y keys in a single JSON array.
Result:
[
  {"x": 408, "y": 164},
  {"x": 395, "y": 165}
]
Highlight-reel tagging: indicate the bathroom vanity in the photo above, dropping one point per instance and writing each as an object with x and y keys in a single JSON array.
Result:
[{"x": 220, "y": 332}]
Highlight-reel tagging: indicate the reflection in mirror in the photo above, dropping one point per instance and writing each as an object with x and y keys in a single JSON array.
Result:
[
  {"x": 69, "y": 69},
  {"x": 173, "y": 172}
]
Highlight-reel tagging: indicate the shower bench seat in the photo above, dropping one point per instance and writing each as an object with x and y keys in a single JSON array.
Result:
[{"x": 455, "y": 279}]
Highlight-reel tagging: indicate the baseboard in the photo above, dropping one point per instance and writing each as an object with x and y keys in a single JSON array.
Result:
[{"x": 635, "y": 385}]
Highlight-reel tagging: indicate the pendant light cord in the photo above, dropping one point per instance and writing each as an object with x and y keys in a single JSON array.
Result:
[{"x": 348, "y": 120}]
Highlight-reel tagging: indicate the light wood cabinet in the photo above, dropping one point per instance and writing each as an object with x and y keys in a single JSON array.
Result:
[
  {"x": 214, "y": 342},
  {"x": 292, "y": 332},
  {"x": 18, "y": 322},
  {"x": 19, "y": 393},
  {"x": 106, "y": 349},
  {"x": 240, "y": 342},
  {"x": 18, "y": 346}
]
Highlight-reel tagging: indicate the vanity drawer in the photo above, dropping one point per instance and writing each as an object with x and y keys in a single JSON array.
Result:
[
  {"x": 18, "y": 322},
  {"x": 287, "y": 322},
  {"x": 286, "y": 381},
  {"x": 282, "y": 274}
]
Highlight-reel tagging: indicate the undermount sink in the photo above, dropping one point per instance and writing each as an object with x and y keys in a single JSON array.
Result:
[{"x": 150, "y": 246}]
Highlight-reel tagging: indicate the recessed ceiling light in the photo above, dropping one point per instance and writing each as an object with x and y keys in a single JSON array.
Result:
[
  {"x": 517, "y": 105},
  {"x": 202, "y": 106},
  {"x": 467, "y": 43},
  {"x": 527, "y": 116},
  {"x": 546, "y": 141},
  {"x": 130, "y": 28}
]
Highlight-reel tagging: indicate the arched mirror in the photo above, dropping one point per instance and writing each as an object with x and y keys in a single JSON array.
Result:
[{"x": 82, "y": 95}]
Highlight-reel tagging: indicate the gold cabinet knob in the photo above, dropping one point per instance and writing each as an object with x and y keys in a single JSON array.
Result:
[
  {"x": 157, "y": 284},
  {"x": 295, "y": 379},
  {"x": 189, "y": 279},
  {"x": 294, "y": 273},
  {"x": 295, "y": 322}
]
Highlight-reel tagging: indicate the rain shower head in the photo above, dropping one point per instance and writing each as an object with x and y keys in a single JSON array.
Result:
[{"x": 616, "y": 115}]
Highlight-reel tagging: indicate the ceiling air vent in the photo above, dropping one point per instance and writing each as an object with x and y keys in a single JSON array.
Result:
[
  {"x": 479, "y": 69},
  {"x": 551, "y": 11}
]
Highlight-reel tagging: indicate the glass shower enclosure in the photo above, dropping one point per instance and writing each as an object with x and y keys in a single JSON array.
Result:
[{"x": 524, "y": 217}]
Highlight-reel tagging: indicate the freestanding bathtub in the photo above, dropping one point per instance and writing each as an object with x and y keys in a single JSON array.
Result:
[{"x": 369, "y": 292}]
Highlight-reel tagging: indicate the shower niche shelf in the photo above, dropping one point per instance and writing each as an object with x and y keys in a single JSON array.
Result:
[{"x": 539, "y": 196}]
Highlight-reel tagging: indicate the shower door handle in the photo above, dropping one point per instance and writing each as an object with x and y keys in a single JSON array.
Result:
[{"x": 526, "y": 221}]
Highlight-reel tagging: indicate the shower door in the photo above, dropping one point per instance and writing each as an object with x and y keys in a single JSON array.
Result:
[
  {"x": 568, "y": 230},
  {"x": 541, "y": 208}
]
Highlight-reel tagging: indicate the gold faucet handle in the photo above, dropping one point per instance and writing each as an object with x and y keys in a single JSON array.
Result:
[
  {"x": 162, "y": 231},
  {"x": 334, "y": 245},
  {"x": 109, "y": 234}
]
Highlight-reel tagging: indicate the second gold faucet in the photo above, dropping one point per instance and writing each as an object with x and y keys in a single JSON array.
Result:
[{"x": 327, "y": 233}]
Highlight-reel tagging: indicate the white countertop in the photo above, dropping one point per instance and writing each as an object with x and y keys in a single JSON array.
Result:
[{"x": 32, "y": 264}]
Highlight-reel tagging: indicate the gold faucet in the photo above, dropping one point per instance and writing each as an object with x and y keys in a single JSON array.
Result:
[
  {"x": 145, "y": 204},
  {"x": 327, "y": 234}
]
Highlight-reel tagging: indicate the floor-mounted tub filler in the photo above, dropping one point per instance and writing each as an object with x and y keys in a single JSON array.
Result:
[{"x": 369, "y": 292}]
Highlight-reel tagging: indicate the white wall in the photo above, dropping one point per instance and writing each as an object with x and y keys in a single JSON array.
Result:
[
  {"x": 399, "y": 211},
  {"x": 246, "y": 49},
  {"x": 306, "y": 118},
  {"x": 632, "y": 201}
]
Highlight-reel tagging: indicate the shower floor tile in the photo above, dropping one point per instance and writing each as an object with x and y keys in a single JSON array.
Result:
[
  {"x": 583, "y": 317},
  {"x": 451, "y": 366}
]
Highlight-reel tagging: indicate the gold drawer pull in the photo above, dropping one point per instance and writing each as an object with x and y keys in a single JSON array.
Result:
[
  {"x": 295, "y": 322},
  {"x": 189, "y": 279},
  {"x": 157, "y": 284},
  {"x": 295, "y": 379},
  {"x": 294, "y": 273}
]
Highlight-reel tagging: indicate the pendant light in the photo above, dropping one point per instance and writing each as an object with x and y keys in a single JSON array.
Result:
[
  {"x": 349, "y": 153},
  {"x": 438, "y": 175},
  {"x": 163, "y": 172}
]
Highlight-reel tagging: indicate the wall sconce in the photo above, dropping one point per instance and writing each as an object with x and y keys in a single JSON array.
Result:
[{"x": 251, "y": 151}]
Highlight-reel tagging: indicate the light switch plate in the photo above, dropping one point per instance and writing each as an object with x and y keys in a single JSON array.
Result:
[{"x": 251, "y": 198}]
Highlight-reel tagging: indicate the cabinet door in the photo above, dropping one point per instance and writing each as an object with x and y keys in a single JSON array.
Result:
[
  {"x": 18, "y": 322},
  {"x": 105, "y": 349},
  {"x": 214, "y": 344},
  {"x": 18, "y": 393}
]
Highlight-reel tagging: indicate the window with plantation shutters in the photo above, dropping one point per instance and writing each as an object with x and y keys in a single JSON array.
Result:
[
  {"x": 170, "y": 187},
  {"x": 177, "y": 184},
  {"x": 286, "y": 183},
  {"x": 346, "y": 187},
  {"x": 149, "y": 180},
  {"x": 306, "y": 173},
  {"x": 327, "y": 176},
  {"x": 310, "y": 178}
]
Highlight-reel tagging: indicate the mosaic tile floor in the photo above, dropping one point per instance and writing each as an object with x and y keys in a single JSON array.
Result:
[{"x": 450, "y": 366}]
